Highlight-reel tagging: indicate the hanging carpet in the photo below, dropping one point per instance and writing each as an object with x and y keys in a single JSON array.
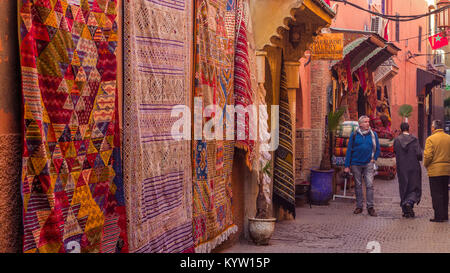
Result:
[
  {"x": 71, "y": 177},
  {"x": 213, "y": 159},
  {"x": 157, "y": 166},
  {"x": 283, "y": 176},
  {"x": 243, "y": 92}
]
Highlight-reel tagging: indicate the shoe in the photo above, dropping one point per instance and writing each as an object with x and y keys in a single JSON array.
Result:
[
  {"x": 358, "y": 211},
  {"x": 372, "y": 212},
  {"x": 438, "y": 220},
  {"x": 409, "y": 211}
]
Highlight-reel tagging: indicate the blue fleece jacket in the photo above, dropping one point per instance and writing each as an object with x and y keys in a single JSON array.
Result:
[{"x": 362, "y": 149}]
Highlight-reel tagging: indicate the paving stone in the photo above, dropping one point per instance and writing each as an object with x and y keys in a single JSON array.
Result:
[{"x": 335, "y": 229}]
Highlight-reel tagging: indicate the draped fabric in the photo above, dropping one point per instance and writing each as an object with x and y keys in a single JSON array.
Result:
[
  {"x": 283, "y": 175},
  {"x": 243, "y": 88},
  {"x": 157, "y": 162},
  {"x": 71, "y": 177},
  {"x": 213, "y": 158}
]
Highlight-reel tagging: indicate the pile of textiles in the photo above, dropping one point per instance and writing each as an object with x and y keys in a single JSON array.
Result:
[
  {"x": 346, "y": 128},
  {"x": 343, "y": 133},
  {"x": 386, "y": 162},
  {"x": 382, "y": 126}
]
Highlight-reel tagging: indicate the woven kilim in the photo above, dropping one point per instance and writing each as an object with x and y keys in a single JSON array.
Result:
[
  {"x": 283, "y": 174},
  {"x": 71, "y": 177},
  {"x": 213, "y": 159},
  {"x": 157, "y": 167},
  {"x": 242, "y": 85}
]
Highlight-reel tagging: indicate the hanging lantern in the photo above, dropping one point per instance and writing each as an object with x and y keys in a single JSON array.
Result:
[{"x": 443, "y": 17}]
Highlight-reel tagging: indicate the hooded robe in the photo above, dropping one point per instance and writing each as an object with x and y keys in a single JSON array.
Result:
[{"x": 409, "y": 172}]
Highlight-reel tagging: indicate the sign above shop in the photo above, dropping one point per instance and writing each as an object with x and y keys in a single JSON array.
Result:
[{"x": 328, "y": 46}]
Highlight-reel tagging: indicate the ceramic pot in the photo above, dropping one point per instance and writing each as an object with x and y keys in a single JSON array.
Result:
[{"x": 261, "y": 230}]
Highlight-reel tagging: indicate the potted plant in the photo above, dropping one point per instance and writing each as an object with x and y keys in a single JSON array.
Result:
[
  {"x": 322, "y": 179},
  {"x": 405, "y": 111},
  {"x": 262, "y": 226}
]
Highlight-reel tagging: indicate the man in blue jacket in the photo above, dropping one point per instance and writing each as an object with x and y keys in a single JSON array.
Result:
[{"x": 362, "y": 152}]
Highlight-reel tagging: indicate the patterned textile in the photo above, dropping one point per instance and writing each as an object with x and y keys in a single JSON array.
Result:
[
  {"x": 71, "y": 177},
  {"x": 352, "y": 101},
  {"x": 388, "y": 162},
  {"x": 157, "y": 167},
  {"x": 372, "y": 95},
  {"x": 384, "y": 133},
  {"x": 389, "y": 169},
  {"x": 385, "y": 154},
  {"x": 283, "y": 176},
  {"x": 338, "y": 161},
  {"x": 341, "y": 142},
  {"x": 242, "y": 84},
  {"x": 213, "y": 159},
  {"x": 386, "y": 172},
  {"x": 384, "y": 142},
  {"x": 346, "y": 128},
  {"x": 340, "y": 151},
  {"x": 376, "y": 123},
  {"x": 389, "y": 149}
]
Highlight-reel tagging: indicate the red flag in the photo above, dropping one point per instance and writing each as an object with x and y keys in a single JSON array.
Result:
[
  {"x": 328, "y": 2},
  {"x": 437, "y": 41},
  {"x": 386, "y": 36}
]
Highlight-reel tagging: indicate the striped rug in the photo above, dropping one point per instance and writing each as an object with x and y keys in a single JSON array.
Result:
[
  {"x": 157, "y": 167},
  {"x": 283, "y": 176}
]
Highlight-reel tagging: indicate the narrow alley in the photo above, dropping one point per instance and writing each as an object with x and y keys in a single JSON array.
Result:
[{"x": 334, "y": 228}]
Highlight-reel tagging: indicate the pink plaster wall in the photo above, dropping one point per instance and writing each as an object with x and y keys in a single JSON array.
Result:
[{"x": 403, "y": 86}]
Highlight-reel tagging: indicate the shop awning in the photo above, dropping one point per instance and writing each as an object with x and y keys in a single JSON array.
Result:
[
  {"x": 364, "y": 47},
  {"x": 426, "y": 80}
]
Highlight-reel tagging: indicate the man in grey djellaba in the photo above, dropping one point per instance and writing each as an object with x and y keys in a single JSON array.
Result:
[{"x": 409, "y": 172}]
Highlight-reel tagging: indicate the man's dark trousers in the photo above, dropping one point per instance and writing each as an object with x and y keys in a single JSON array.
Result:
[{"x": 439, "y": 196}]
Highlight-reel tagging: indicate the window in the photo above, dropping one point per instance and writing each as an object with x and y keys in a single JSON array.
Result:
[
  {"x": 420, "y": 39},
  {"x": 439, "y": 57},
  {"x": 397, "y": 29}
]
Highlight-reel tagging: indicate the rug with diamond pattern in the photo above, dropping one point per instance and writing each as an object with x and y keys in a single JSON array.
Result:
[{"x": 71, "y": 176}]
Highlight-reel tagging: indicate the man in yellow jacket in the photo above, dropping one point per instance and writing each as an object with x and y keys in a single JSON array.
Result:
[{"x": 437, "y": 161}]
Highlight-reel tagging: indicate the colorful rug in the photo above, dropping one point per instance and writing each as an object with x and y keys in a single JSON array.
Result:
[
  {"x": 157, "y": 167},
  {"x": 389, "y": 149},
  {"x": 346, "y": 128},
  {"x": 242, "y": 86},
  {"x": 71, "y": 177},
  {"x": 283, "y": 175},
  {"x": 342, "y": 142},
  {"x": 338, "y": 161},
  {"x": 213, "y": 159},
  {"x": 340, "y": 152},
  {"x": 384, "y": 142},
  {"x": 386, "y": 162}
]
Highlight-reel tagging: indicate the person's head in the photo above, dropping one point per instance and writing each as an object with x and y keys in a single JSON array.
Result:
[
  {"x": 404, "y": 127},
  {"x": 364, "y": 123},
  {"x": 436, "y": 124}
]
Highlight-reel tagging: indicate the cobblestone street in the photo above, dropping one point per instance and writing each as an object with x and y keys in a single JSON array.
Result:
[{"x": 334, "y": 228}]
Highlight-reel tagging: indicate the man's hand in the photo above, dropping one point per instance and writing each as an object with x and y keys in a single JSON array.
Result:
[{"x": 347, "y": 170}]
